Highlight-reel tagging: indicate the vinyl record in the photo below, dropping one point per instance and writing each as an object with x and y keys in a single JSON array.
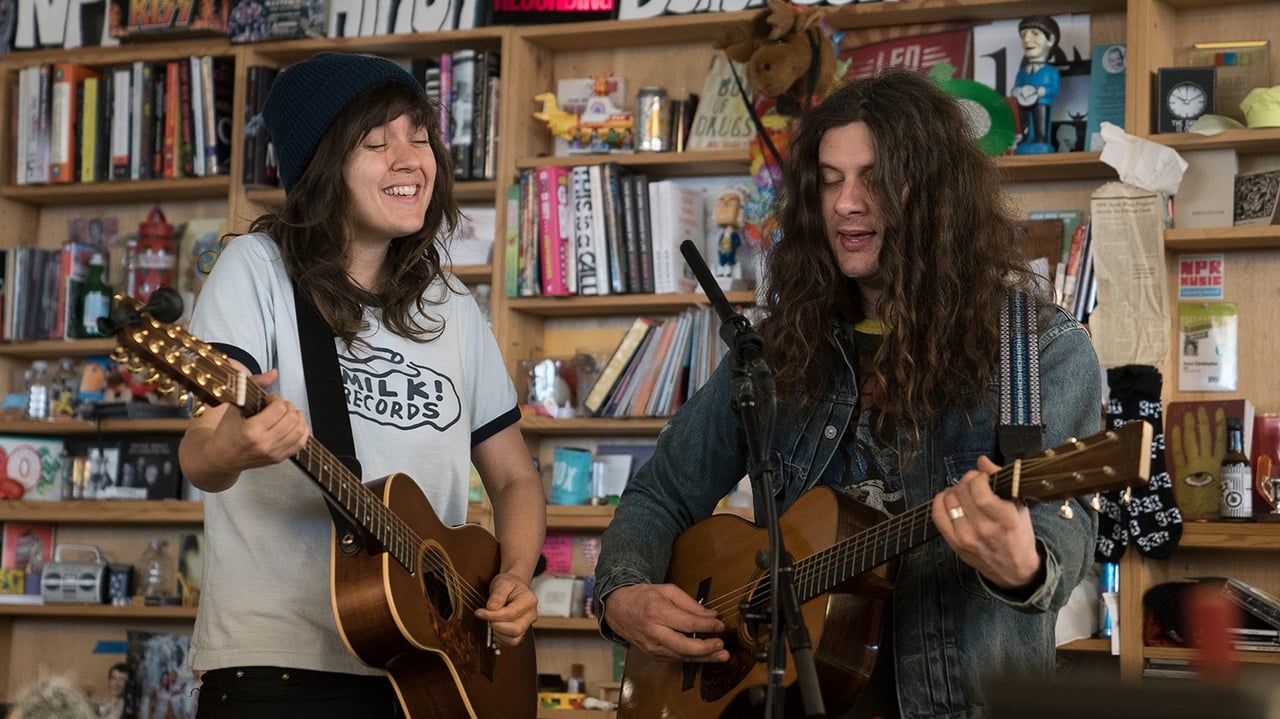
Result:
[{"x": 991, "y": 120}]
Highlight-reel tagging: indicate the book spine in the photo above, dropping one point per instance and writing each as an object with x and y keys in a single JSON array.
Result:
[
  {"x": 224, "y": 79},
  {"x": 552, "y": 186},
  {"x": 172, "y": 120},
  {"x": 511, "y": 243},
  {"x": 618, "y": 362},
  {"x": 121, "y": 82},
  {"x": 185, "y": 158},
  {"x": 644, "y": 232},
  {"x": 464, "y": 76},
  {"x": 583, "y": 239},
  {"x": 197, "y": 111},
  {"x": 89, "y": 130}
]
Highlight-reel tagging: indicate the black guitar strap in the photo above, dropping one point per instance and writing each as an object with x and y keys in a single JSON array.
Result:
[{"x": 330, "y": 423}]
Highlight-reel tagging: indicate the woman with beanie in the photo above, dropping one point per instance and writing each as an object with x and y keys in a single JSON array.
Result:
[{"x": 356, "y": 252}]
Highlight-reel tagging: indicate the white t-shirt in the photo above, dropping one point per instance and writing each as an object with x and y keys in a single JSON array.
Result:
[{"x": 415, "y": 408}]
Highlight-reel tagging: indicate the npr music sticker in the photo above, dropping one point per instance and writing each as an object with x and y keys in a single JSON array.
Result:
[{"x": 1200, "y": 277}]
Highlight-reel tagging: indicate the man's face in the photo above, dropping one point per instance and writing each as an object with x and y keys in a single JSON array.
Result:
[{"x": 116, "y": 682}]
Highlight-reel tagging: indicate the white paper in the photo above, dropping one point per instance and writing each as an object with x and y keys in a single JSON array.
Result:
[{"x": 1142, "y": 163}]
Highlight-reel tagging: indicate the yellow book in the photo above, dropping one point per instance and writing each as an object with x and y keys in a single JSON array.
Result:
[
  {"x": 89, "y": 131},
  {"x": 622, "y": 356}
]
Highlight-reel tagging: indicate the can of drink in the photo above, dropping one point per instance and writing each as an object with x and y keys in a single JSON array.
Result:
[
  {"x": 1108, "y": 582},
  {"x": 653, "y": 120}
]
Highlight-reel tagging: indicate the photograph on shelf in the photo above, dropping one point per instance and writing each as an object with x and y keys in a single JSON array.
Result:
[
  {"x": 99, "y": 461},
  {"x": 165, "y": 682},
  {"x": 26, "y": 544},
  {"x": 150, "y": 464}
]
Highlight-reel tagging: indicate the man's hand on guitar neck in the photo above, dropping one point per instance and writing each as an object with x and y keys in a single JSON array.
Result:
[
  {"x": 990, "y": 534},
  {"x": 661, "y": 620},
  {"x": 511, "y": 609}
]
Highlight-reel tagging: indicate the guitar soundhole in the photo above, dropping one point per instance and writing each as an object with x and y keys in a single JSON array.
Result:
[{"x": 435, "y": 582}]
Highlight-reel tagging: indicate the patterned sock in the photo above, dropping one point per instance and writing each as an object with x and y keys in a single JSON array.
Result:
[{"x": 1152, "y": 519}]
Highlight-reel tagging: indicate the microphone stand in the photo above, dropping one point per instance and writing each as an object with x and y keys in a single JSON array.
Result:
[{"x": 755, "y": 401}]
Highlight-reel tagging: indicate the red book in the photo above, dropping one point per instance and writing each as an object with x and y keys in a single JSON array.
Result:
[
  {"x": 172, "y": 119},
  {"x": 555, "y": 227}
]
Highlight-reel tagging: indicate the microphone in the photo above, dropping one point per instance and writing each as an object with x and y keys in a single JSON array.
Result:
[{"x": 735, "y": 330}]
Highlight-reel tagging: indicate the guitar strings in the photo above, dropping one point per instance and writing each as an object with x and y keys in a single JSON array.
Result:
[
  {"x": 321, "y": 463},
  {"x": 821, "y": 568}
]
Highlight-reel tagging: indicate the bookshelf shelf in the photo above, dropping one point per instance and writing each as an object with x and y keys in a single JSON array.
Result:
[
  {"x": 1257, "y": 140},
  {"x": 57, "y": 348},
  {"x": 67, "y": 427},
  {"x": 171, "y": 189},
  {"x": 97, "y": 611},
  {"x": 1192, "y": 655},
  {"x": 1216, "y": 239},
  {"x": 618, "y": 304},
  {"x": 534, "y": 426},
  {"x": 104, "y": 511}
]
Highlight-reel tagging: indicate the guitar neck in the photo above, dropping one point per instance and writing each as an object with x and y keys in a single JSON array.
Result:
[
  {"x": 822, "y": 571},
  {"x": 340, "y": 485}
]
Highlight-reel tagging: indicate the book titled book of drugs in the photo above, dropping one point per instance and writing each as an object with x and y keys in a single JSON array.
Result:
[{"x": 722, "y": 120}]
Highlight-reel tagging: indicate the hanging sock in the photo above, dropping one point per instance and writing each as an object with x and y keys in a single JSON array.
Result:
[{"x": 1151, "y": 519}]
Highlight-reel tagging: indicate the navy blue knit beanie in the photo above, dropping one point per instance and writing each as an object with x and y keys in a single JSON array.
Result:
[{"x": 307, "y": 96}]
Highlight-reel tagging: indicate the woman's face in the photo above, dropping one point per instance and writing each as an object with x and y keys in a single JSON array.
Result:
[{"x": 390, "y": 176}]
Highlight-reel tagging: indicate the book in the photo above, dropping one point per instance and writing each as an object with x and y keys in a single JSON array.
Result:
[
  {"x": 461, "y": 117},
  {"x": 1205, "y": 198},
  {"x": 64, "y": 145},
  {"x": 1041, "y": 241},
  {"x": 722, "y": 120},
  {"x": 555, "y": 223},
  {"x": 1106, "y": 91},
  {"x": 1257, "y": 199},
  {"x": 618, "y": 362},
  {"x": 1196, "y": 442},
  {"x": 611, "y": 174},
  {"x": 599, "y": 231},
  {"x": 644, "y": 231},
  {"x": 677, "y": 213},
  {"x": 511, "y": 243},
  {"x": 36, "y": 464},
  {"x": 93, "y": 158},
  {"x": 590, "y": 271},
  {"x": 1071, "y": 219},
  {"x": 25, "y": 543}
]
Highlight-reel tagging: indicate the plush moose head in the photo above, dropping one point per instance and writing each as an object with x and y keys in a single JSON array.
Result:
[{"x": 787, "y": 54}]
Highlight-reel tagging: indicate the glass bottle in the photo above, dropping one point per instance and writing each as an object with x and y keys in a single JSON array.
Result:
[
  {"x": 38, "y": 390},
  {"x": 1236, "y": 504},
  {"x": 95, "y": 298},
  {"x": 156, "y": 572}
]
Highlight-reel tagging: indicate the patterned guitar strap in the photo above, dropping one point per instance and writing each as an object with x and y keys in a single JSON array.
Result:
[{"x": 1020, "y": 433}]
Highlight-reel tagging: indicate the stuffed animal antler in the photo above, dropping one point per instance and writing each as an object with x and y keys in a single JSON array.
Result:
[{"x": 787, "y": 54}]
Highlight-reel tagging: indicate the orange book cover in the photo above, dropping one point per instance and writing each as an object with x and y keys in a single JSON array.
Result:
[
  {"x": 172, "y": 166},
  {"x": 63, "y": 144}
]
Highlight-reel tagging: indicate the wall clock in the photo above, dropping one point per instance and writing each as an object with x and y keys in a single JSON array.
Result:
[{"x": 1183, "y": 95}]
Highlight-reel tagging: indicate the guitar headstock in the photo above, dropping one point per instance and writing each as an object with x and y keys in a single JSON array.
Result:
[
  {"x": 168, "y": 355},
  {"x": 1115, "y": 459}
]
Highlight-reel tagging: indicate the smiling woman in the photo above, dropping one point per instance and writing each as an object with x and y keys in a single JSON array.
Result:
[{"x": 341, "y": 308}]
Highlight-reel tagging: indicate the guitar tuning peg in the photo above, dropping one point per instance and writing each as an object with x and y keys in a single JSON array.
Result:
[
  {"x": 199, "y": 409},
  {"x": 119, "y": 355},
  {"x": 166, "y": 387},
  {"x": 1095, "y": 502},
  {"x": 1065, "y": 511}
]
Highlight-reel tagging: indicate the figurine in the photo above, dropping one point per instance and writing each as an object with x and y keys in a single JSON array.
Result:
[
  {"x": 602, "y": 126},
  {"x": 1036, "y": 83},
  {"x": 729, "y": 218}
]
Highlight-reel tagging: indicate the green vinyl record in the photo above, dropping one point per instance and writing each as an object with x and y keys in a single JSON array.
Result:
[{"x": 991, "y": 120}]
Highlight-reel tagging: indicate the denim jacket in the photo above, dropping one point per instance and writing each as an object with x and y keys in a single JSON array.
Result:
[{"x": 950, "y": 627}]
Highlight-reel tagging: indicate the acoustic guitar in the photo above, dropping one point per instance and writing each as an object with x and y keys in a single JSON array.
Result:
[
  {"x": 843, "y": 550},
  {"x": 405, "y": 603}
]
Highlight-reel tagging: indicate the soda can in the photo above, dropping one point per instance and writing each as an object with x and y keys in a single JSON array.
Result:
[{"x": 653, "y": 120}]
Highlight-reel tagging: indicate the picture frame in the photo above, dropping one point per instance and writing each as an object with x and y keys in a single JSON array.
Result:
[{"x": 1241, "y": 66}]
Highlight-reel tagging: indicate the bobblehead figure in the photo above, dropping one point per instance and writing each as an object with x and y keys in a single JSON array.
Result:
[{"x": 1036, "y": 83}]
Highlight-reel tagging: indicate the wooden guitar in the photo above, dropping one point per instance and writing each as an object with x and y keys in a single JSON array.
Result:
[
  {"x": 405, "y": 603},
  {"x": 842, "y": 549}
]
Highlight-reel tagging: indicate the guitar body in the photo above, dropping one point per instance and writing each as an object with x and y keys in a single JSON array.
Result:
[
  {"x": 717, "y": 558},
  {"x": 421, "y": 629}
]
